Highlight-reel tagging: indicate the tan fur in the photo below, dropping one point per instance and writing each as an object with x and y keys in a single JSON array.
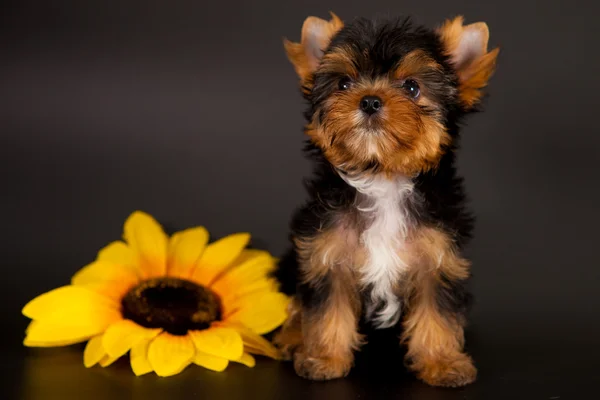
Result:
[
  {"x": 322, "y": 341},
  {"x": 289, "y": 338},
  {"x": 408, "y": 142},
  {"x": 322, "y": 344},
  {"x": 339, "y": 61},
  {"x": 304, "y": 63},
  {"x": 474, "y": 75},
  {"x": 331, "y": 248},
  {"x": 435, "y": 340},
  {"x": 331, "y": 332},
  {"x": 415, "y": 63},
  {"x": 433, "y": 250}
]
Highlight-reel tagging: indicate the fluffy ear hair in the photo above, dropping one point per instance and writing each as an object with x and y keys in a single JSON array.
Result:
[
  {"x": 467, "y": 47},
  {"x": 316, "y": 35}
]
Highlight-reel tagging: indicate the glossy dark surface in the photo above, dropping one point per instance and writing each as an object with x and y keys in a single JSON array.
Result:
[
  {"x": 191, "y": 112},
  {"x": 515, "y": 362}
]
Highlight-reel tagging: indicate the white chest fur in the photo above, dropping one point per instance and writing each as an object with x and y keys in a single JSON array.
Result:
[{"x": 382, "y": 202}]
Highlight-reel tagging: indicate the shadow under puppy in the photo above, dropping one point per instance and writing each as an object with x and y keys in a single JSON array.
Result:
[{"x": 380, "y": 237}]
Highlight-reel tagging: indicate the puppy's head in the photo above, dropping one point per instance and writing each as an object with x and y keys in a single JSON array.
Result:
[{"x": 383, "y": 95}]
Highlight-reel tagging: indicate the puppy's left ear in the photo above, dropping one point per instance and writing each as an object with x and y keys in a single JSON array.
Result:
[
  {"x": 316, "y": 35},
  {"x": 467, "y": 47}
]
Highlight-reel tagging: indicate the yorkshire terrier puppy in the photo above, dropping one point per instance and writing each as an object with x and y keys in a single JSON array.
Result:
[{"x": 380, "y": 237}]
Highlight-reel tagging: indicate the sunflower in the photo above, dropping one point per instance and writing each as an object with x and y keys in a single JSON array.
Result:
[{"x": 169, "y": 302}]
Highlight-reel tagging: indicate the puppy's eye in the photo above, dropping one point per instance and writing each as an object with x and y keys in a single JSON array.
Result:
[
  {"x": 344, "y": 84},
  {"x": 412, "y": 88}
]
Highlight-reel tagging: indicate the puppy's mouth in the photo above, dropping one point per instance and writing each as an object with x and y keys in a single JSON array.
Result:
[
  {"x": 362, "y": 135},
  {"x": 372, "y": 123}
]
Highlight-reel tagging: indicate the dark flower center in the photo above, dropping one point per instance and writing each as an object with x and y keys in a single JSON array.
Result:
[{"x": 173, "y": 304}]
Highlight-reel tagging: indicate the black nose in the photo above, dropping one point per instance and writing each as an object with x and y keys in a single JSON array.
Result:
[{"x": 370, "y": 104}]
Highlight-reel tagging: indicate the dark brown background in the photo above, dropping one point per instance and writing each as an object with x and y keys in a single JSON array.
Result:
[{"x": 190, "y": 111}]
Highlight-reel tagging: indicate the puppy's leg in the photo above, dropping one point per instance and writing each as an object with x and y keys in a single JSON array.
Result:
[
  {"x": 330, "y": 307},
  {"x": 329, "y": 328},
  {"x": 433, "y": 327},
  {"x": 289, "y": 338}
]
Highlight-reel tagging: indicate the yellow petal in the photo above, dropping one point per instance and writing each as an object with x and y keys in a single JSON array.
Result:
[
  {"x": 254, "y": 343},
  {"x": 248, "y": 255},
  {"x": 114, "y": 290},
  {"x": 233, "y": 298},
  {"x": 30, "y": 326},
  {"x": 107, "y": 275},
  {"x": 102, "y": 271},
  {"x": 218, "y": 256},
  {"x": 255, "y": 268},
  {"x": 68, "y": 315},
  {"x": 27, "y": 342},
  {"x": 94, "y": 352},
  {"x": 123, "y": 335},
  {"x": 107, "y": 360},
  {"x": 219, "y": 341},
  {"x": 247, "y": 360},
  {"x": 249, "y": 274},
  {"x": 265, "y": 285},
  {"x": 170, "y": 354},
  {"x": 148, "y": 240},
  {"x": 255, "y": 264},
  {"x": 117, "y": 253},
  {"x": 213, "y": 363},
  {"x": 261, "y": 312},
  {"x": 70, "y": 302},
  {"x": 139, "y": 357},
  {"x": 185, "y": 249},
  {"x": 48, "y": 341},
  {"x": 43, "y": 334}
]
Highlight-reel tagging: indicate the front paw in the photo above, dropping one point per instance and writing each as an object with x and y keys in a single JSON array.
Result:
[
  {"x": 287, "y": 344},
  {"x": 456, "y": 372},
  {"x": 321, "y": 369}
]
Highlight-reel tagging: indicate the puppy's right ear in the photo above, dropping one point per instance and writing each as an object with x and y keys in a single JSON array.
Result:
[
  {"x": 316, "y": 35},
  {"x": 467, "y": 47}
]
